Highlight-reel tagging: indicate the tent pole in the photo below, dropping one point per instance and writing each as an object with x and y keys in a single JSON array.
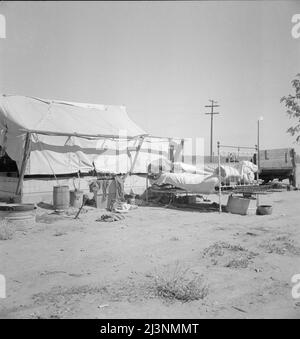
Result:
[
  {"x": 182, "y": 150},
  {"x": 80, "y": 135},
  {"x": 147, "y": 188},
  {"x": 136, "y": 156},
  {"x": 24, "y": 163}
]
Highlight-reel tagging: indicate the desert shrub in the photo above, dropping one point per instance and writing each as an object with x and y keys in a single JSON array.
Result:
[
  {"x": 282, "y": 245},
  {"x": 178, "y": 284},
  {"x": 217, "y": 249},
  {"x": 238, "y": 263},
  {"x": 228, "y": 255}
]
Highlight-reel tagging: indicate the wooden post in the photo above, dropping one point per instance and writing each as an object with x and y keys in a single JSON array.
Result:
[
  {"x": 294, "y": 176},
  {"x": 258, "y": 159},
  {"x": 257, "y": 163},
  {"x": 24, "y": 163},
  {"x": 147, "y": 188},
  {"x": 182, "y": 150},
  {"x": 135, "y": 157},
  {"x": 171, "y": 155},
  {"x": 220, "y": 178},
  {"x": 149, "y": 151}
]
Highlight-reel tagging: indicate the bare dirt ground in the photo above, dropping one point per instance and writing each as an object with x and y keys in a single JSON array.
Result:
[{"x": 65, "y": 268}]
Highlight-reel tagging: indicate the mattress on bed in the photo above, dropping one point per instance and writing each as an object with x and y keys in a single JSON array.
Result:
[
  {"x": 194, "y": 183},
  {"x": 242, "y": 171}
]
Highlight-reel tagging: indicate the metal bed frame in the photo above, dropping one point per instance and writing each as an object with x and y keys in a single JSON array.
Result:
[
  {"x": 172, "y": 192},
  {"x": 245, "y": 189},
  {"x": 250, "y": 189}
]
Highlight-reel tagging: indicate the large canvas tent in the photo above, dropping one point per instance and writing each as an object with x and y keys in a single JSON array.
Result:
[{"x": 52, "y": 138}]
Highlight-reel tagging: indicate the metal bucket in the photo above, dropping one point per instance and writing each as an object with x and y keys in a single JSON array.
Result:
[
  {"x": 237, "y": 205},
  {"x": 61, "y": 197},
  {"x": 264, "y": 210},
  {"x": 76, "y": 198}
]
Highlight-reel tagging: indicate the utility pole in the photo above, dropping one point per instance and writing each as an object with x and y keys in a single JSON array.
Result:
[{"x": 212, "y": 113}]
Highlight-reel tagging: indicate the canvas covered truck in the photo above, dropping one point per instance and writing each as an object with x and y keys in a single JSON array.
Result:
[{"x": 278, "y": 164}]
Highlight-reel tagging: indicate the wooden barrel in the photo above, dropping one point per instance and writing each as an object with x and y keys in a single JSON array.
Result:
[{"x": 61, "y": 197}]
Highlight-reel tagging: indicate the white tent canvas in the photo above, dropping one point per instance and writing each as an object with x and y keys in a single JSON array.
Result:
[
  {"x": 66, "y": 137},
  {"x": 55, "y": 148}
]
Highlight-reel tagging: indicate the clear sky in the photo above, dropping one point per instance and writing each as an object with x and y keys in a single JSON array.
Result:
[{"x": 162, "y": 60}]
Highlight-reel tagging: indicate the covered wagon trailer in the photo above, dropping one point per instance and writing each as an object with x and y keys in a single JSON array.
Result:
[{"x": 278, "y": 164}]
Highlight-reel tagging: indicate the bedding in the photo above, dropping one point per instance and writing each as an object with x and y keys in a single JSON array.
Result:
[{"x": 195, "y": 183}]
